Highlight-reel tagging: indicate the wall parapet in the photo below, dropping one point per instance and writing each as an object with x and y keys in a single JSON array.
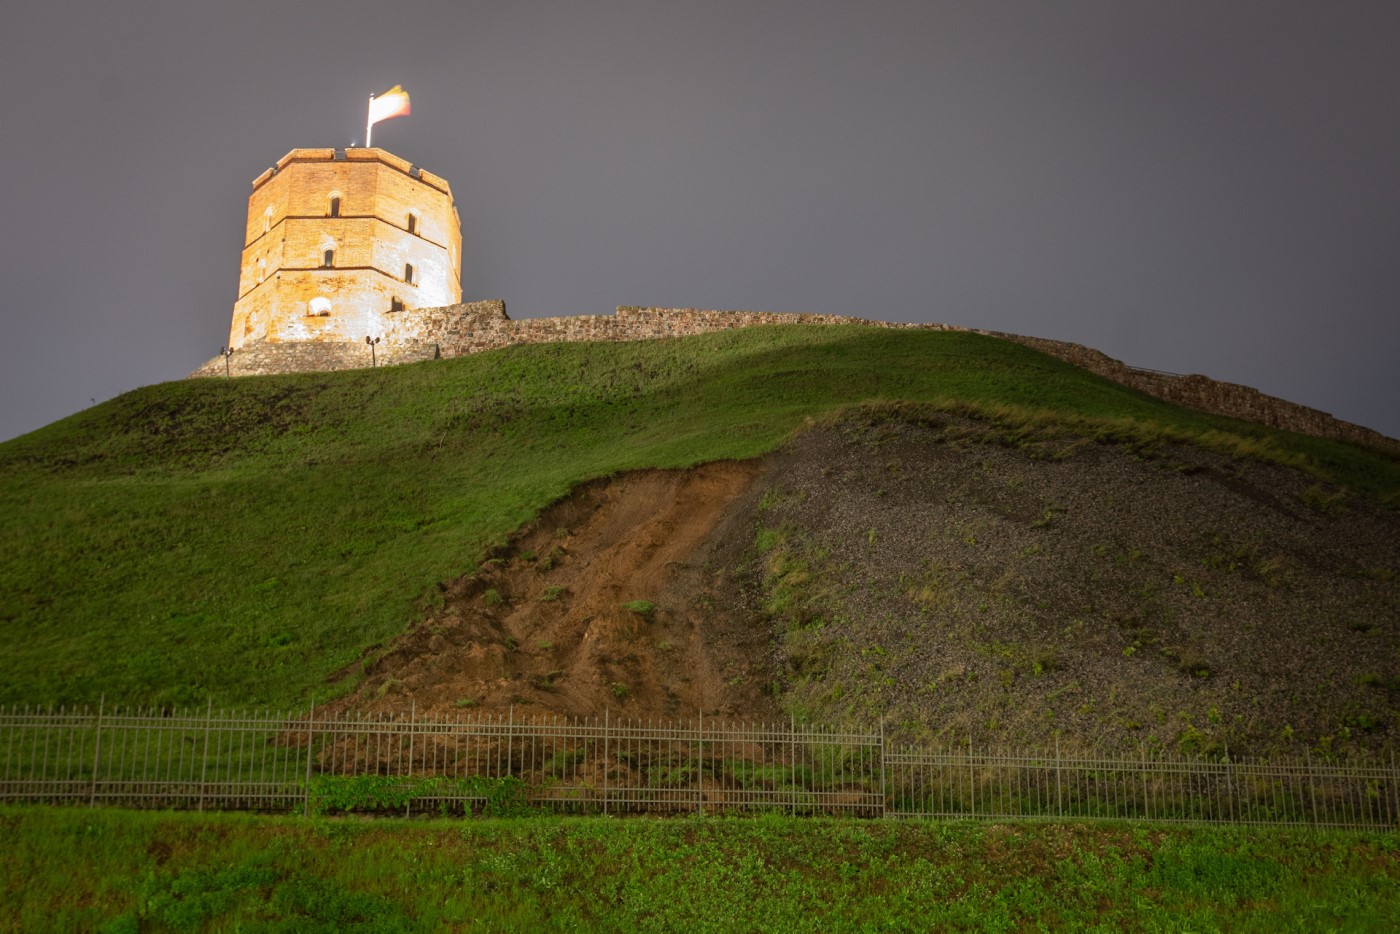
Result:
[{"x": 354, "y": 154}]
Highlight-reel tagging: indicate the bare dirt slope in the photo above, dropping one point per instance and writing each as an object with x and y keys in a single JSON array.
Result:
[{"x": 609, "y": 600}]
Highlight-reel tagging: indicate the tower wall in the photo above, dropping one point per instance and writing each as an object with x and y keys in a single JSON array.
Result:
[{"x": 390, "y": 215}]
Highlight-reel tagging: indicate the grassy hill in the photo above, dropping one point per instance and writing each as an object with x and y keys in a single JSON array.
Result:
[
  {"x": 244, "y": 539},
  {"x": 81, "y": 869}
]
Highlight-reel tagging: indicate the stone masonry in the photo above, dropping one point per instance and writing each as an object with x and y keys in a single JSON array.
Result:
[{"x": 338, "y": 242}]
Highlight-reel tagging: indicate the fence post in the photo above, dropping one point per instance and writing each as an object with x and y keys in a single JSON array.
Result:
[
  {"x": 884, "y": 784},
  {"x": 1059, "y": 796},
  {"x": 1394, "y": 791},
  {"x": 97, "y": 749},
  {"x": 699, "y": 767},
  {"x": 1146, "y": 802},
  {"x": 510, "y": 741},
  {"x": 412, "y": 722},
  {"x": 204, "y": 758},
  {"x": 1312, "y": 791},
  {"x": 971, "y": 777},
  {"x": 605, "y": 760},
  {"x": 792, "y": 759},
  {"x": 1229, "y": 783},
  {"x": 310, "y": 735}
]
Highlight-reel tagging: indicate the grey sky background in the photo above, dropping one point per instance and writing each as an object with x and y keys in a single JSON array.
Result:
[{"x": 1205, "y": 186}]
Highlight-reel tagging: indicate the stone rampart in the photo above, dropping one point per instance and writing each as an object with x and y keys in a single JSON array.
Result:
[
  {"x": 473, "y": 327},
  {"x": 477, "y": 326},
  {"x": 1210, "y": 395}
]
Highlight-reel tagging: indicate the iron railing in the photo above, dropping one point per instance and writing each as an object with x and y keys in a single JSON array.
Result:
[{"x": 211, "y": 759}]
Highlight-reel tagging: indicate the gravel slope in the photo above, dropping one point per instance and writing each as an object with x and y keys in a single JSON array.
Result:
[{"x": 959, "y": 580}]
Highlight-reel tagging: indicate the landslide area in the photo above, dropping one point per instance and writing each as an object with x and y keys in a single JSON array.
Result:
[
  {"x": 620, "y": 596},
  {"x": 956, "y": 578}
]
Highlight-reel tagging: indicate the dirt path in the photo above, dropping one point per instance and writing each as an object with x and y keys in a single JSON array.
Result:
[{"x": 544, "y": 627}]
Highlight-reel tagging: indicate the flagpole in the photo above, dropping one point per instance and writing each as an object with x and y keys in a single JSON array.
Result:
[{"x": 369, "y": 124}]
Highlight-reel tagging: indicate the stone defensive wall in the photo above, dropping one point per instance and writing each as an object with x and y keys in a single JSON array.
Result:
[
  {"x": 1210, "y": 395},
  {"x": 473, "y": 327}
]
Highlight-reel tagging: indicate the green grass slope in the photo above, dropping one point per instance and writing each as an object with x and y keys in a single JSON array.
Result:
[
  {"x": 77, "y": 869},
  {"x": 241, "y": 540}
]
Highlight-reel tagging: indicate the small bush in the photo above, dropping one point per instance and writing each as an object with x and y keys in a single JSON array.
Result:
[
  {"x": 497, "y": 797},
  {"x": 1275, "y": 571},
  {"x": 1046, "y": 658},
  {"x": 545, "y": 682},
  {"x": 1363, "y": 721},
  {"x": 643, "y": 608},
  {"x": 1319, "y": 498},
  {"x": 1191, "y": 662},
  {"x": 767, "y": 540}
]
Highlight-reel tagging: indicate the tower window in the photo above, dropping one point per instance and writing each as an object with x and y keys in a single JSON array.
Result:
[
  {"x": 262, "y": 270},
  {"x": 335, "y": 206},
  {"x": 396, "y": 304},
  {"x": 412, "y": 223},
  {"x": 328, "y": 258},
  {"x": 408, "y": 272}
]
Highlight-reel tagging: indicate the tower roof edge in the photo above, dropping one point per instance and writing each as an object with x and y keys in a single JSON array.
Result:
[{"x": 356, "y": 154}]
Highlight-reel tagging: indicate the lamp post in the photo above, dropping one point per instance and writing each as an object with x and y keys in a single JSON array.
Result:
[
  {"x": 226, "y": 352},
  {"x": 373, "y": 358}
]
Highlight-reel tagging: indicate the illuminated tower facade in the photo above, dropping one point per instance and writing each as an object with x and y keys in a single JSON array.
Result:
[{"x": 339, "y": 241}]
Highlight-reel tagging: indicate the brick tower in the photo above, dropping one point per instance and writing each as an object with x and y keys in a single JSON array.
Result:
[{"x": 338, "y": 241}]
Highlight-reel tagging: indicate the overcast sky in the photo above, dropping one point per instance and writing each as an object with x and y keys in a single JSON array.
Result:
[{"x": 1209, "y": 186}]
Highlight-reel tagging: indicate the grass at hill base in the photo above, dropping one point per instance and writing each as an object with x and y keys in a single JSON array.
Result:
[
  {"x": 242, "y": 540},
  {"x": 117, "y": 871}
]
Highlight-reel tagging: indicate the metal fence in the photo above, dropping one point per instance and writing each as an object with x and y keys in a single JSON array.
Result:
[{"x": 500, "y": 763}]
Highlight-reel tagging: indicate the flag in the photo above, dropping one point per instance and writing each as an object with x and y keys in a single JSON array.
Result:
[{"x": 392, "y": 103}]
